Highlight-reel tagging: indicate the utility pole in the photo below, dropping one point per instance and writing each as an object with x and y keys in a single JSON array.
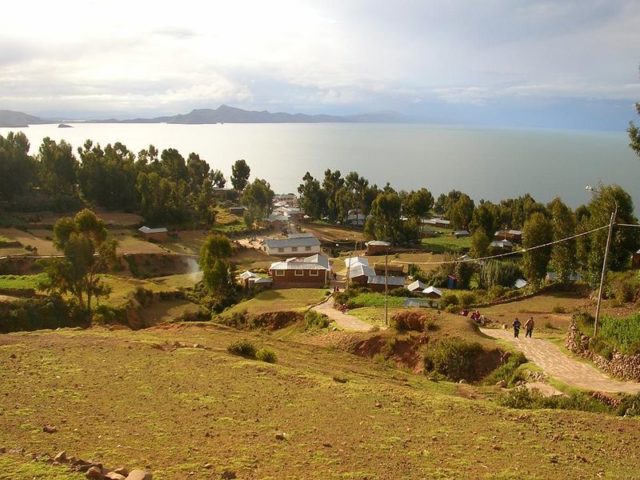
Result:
[
  {"x": 604, "y": 269},
  {"x": 386, "y": 287},
  {"x": 349, "y": 265}
]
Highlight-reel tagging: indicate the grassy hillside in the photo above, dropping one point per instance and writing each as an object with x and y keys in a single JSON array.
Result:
[
  {"x": 141, "y": 399},
  {"x": 286, "y": 299}
]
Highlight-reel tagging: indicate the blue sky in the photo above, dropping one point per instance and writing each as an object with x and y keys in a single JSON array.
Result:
[{"x": 555, "y": 64}]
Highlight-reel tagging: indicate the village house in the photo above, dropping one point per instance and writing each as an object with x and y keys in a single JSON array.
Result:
[
  {"x": 514, "y": 236},
  {"x": 359, "y": 270},
  {"x": 355, "y": 218},
  {"x": 378, "y": 283},
  {"x": 295, "y": 244},
  {"x": 377, "y": 247},
  {"x": 389, "y": 269},
  {"x": 237, "y": 210},
  {"x": 437, "y": 222},
  {"x": 461, "y": 233},
  {"x": 154, "y": 234},
  {"x": 501, "y": 245},
  {"x": 310, "y": 272},
  {"x": 432, "y": 292},
  {"x": 416, "y": 286}
]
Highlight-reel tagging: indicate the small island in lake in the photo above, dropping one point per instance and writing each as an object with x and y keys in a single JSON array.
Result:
[{"x": 64, "y": 125}]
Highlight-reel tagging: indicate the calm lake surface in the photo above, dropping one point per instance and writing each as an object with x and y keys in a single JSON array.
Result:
[{"x": 485, "y": 163}]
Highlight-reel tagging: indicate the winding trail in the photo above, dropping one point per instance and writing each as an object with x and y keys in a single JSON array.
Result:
[
  {"x": 344, "y": 321},
  {"x": 555, "y": 363}
]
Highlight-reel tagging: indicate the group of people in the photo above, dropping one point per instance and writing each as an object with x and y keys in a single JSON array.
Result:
[{"x": 528, "y": 327}]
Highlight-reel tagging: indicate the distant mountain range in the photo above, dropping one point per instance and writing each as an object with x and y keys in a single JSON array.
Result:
[
  {"x": 9, "y": 118},
  {"x": 222, "y": 114}
]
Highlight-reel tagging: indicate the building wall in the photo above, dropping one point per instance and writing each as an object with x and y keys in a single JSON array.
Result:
[
  {"x": 156, "y": 237},
  {"x": 377, "y": 249},
  {"x": 290, "y": 252},
  {"x": 306, "y": 280}
]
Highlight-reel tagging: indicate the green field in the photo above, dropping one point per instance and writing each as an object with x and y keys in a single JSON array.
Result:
[
  {"x": 11, "y": 282},
  {"x": 446, "y": 243}
]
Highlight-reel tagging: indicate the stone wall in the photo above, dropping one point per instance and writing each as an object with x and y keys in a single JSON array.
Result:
[{"x": 626, "y": 367}]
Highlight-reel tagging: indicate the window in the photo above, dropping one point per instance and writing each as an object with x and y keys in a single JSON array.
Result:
[
  {"x": 307, "y": 248},
  {"x": 280, "y": 249},
  {"x": 294, "y": 249},
  {"x": 299, "y": 273},
  {"x": 280, "y": 273},
  {"x": 314, "y": 273}
]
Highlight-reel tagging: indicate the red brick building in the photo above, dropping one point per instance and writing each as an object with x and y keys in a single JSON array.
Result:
[{"x": 309, "y": 272}]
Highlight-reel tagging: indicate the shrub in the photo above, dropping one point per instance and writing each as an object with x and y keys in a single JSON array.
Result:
[
  {"x": 449, "y": 299},
  {"x": 624, "y": 292},
  {"x": 467, "y": 299},
  {"x": 453, "y": 357},
  {"x": 266, "y": 355},
  {"x": 629, "y": 406},
  {"x": 558, "y": 309},
  {"x": 507, "y": 371},
  {"x": 524, "y": 398},
  {"x": 412, "y": 321},
  {"x": 496, "y": 292},
  {"x": 243, "y": 348},
  {"x": 452, "y": 309},
  {"x": 314, "y": 320}
]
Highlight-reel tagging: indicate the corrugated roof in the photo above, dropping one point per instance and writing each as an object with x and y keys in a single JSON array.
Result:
[
  {"x": 314, "y": 262},
  {"x": 353, "y": 261},
  {"x": 360, "y": 270},
  {"x": 146, "y": 229},
  {"x": 432, "y": 291},
  {"x": 378, "y": 243},
  {"x": 299, "y": 240},
  {"x": 417, "y": 285},
  {"x": 391, "y": 281}
]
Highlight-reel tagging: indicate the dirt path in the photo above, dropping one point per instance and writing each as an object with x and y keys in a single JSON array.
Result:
[
  {"x": 344, "y": 321},
  {"x": 557, "y": 364}
]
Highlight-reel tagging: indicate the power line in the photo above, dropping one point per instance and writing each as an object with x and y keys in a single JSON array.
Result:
[{"x": 507, "y": 254}]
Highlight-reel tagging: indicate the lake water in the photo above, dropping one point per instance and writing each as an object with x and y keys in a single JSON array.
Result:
[{"x": 485, "y": 163}]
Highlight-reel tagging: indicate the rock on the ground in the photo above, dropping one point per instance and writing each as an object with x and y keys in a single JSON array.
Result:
[
  {"x": 94, "y": 473},
  {"x": 114, "y": 476},
  {"x": 61, "y": 457},
  {"x": 139, "y": 475},
  {"x": 49, "y": 429}
]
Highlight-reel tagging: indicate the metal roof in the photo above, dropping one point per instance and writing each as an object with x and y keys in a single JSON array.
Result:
[
  {"x": 378, "y": 243},
  {"x": 146, "y": 229},
  {"x": 432, "y": 291},
  {"x": 417, "y": 285},
  {"x": 360, "y": 270},
  {"x": 314, "y": 262},
  {"x": 299, "y": 240},
  {"x": 391, "y": 281}
]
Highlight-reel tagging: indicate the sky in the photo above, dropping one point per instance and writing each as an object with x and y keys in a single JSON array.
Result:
[{"x": 553, "y": 64}]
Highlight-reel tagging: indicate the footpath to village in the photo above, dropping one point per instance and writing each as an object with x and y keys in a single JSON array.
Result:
[
  {"x": 555, "y": 363},
  {"x": 344, "y": 321}
]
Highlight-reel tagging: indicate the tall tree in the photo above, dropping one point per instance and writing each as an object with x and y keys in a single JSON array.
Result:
[
  {"x": 312, "y": 197},
  {"x": 258, "y": 198},
  {"x": 331, "y": 184},
  {"x": 17, "y": 167},
  {"x": 563, "y": 255},
  {"x": 624, "y": 241},
  {"x": 485, "y": 217},
  {"x": 480, "y": 243},
  {"x": 537, "y": 231},
  {"x": 384, "y": 220},
  {"x": 216, "y": 270},
  {"x": 417, "y": 204},
  {"x": 57, "y": 168},
  {"x": 240, "y": 173},
  {"x": 461, "y": 212},
  {"x": 87, "y": 251}
]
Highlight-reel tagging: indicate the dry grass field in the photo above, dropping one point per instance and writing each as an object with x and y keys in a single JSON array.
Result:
[
  {"x": 139, "y": 399},
  {"x": 333, "y": 233},
  {"x": 286, "y": 299},
  {"x": 40, "y": 239}
]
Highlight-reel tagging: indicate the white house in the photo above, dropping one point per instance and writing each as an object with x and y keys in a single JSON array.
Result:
[{"x": 298, "y": 244}]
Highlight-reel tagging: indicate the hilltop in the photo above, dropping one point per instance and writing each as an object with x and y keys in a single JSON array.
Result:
[{"x": 12, "y": 119}]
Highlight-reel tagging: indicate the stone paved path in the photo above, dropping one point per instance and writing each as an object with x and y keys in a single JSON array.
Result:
[
  {"x": 557, "y": 364},
  {"x": 344, "y": 321}
]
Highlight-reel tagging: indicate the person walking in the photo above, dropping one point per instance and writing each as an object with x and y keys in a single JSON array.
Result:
[
  {"x": 528, "y": 326},
  {"x": 516, "y": 327}
]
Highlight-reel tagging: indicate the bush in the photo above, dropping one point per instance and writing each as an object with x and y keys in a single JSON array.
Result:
[
  {"x": 449, "y": 299},
  {"x": 629, "y": 406},
  {"x": 624, "y": 292},
  {"x": 413, "y": 321},
  {"x": 496, "y": 292},
  {"x": 524, "y": 398},
  {"x": 38, "y": 313},
  {"x": 266, "y": 355},
  {"x": 452, "y": 309},
  {"x": 507, "y": 371},
  {"x": 314, "y": 320},
  {"x": 453, "y": 358},
  {"x": 243, "y": 348},
  {"x": 467, "y": 299},
  {"x": 559, "y": 309}
]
